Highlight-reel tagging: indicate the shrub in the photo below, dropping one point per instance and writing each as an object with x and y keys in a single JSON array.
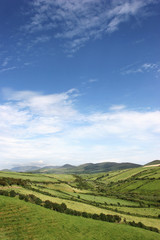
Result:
[
  {"x": 48, "y": 204},
  {"x": 95, "y": 216},
  {"x": 102, "y": 217},
  {"x": 21, "y": 196},
  {"x": 85, "y": 214},
  {"x": 12, "y": 193},
  {"x": 63, "y": 206}
]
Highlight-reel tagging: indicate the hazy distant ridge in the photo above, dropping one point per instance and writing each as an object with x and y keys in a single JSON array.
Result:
[
  {"x": 84, "y": 168},
  {"x": 155, "y": 162}
]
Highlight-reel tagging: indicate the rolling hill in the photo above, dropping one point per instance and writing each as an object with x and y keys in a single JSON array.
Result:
[
  {"x": 155, "y": 162},
  {"x": 70, "y": 169},
  {"x": 88, "y": 168},
  {"x": 23, "y": 220},
  {"x": 133, "y": 195}
]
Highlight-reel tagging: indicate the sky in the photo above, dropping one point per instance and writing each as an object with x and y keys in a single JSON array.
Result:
[{"x": 79, "y": 81}]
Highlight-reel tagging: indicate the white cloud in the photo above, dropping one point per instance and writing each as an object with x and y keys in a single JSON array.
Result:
[
  {"x": 92, "y": 80},
  {"x": 37, "y": 127},
  {"x": 126, "y": 125},
  {"x": 38, "y": 40},
  {"x": 117, "y": 107},
  {"x": 145, "y": 67},
  {"x": 79, "y": 21},
  {"x": 7, "y": 69},
  {"x": 5, "y": 61},
  {"x": 149, "y": 66}
]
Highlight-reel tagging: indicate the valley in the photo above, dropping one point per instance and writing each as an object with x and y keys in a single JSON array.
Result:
[{"x": 128, "y": 200}]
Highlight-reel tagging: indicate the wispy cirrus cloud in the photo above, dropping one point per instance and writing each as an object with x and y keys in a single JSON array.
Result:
[
  {"x": 5, "y": 61},
  {"x": 6, "y": 69},
  {"x": 93, "y": 80},
  {"x": 117, "y": 107},
  {"x": 80, "y": 21},
  {"x": 38, "y": 40},
  {"x": 145, "y": 67},
  {"x": 35, "y": 126}
]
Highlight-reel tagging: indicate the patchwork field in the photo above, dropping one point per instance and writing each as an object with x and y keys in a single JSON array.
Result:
[
  {"x": 132, "y": 195},
  {"x": 21, "y": 220}
]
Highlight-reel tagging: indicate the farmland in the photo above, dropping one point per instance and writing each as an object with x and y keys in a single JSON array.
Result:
[
  {"x": 133, "y": 195},
  {"x": 21, "y": 220}
]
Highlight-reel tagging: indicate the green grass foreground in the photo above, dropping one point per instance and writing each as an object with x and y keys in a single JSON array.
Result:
[{"x": 20, "y": 220}]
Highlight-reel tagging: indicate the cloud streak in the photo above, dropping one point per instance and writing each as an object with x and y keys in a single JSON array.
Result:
[
  {"x": 143, "y": 68},
  {"x": 50, "y": 128},
  {"x": 77, "y": 22},
  {"x": 7, "y": 69}
]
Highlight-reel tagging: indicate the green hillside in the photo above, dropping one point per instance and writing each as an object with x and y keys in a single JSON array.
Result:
[
  {"x": 155, "y": 162},
  {"x": 21, "y": 220},
  {"x": 88, "y": 168},
  {"x": 139, "y": 184},
  {"x": 133, "y": 195}
]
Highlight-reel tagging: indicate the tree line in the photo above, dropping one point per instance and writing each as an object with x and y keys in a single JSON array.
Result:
[
  {"x": 62, "y": 208},
  {"x": 13, "y": 181}
]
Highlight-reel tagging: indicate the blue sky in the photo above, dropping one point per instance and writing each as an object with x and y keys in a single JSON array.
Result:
[{"x": 79, "y": 81}]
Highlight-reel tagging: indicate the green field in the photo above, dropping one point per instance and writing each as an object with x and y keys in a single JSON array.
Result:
[
  {"x": 152, "y": 212},
  {"x": 91, "y": 209},
  {"x": 141, "y": 172},
  {"x": 107, "y": 200},
  {"x": 21, "y": 220},
  {"x": 31, "y": 177},
  {"x": 132, "y": 194}
]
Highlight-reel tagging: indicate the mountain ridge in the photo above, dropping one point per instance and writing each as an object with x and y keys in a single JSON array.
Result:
[
  {"x": 83, "y": 168},
  {"x": 154, "y": 162},
  {"x": 80, "y": 169}
]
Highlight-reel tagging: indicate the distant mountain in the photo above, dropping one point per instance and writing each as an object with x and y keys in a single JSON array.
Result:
[
  {"x": 35, "y": 168},
  {"x": 155, "y": 162},
  {"x": 5, "y": 170},
  {"x": 88, "y": 168},
  {"x": 24, "y": 168},
  {"x": 68, "y": 166},
  {"x": 106, "y": 167},
  {"x": 83, "y": 168},
  {"x": 49, "y": 167}
]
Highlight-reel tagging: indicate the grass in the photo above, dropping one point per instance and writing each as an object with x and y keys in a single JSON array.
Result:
[
  {"x": 91, "y": 209},
  {"x": 65, "y": 188},
  {"x": 108, "y": 200},
  {"x": 132, "y": 190},
  {"x": 141, "y": 172},
  {"x": 121, "y": 175},
  {"x": 31, "y": 177},
  {"x": 154, "y": 212},
  {"x": 153, "y": 185},
  {"x": 63, "y": 177},
  {"x": 21, "y": 220}
]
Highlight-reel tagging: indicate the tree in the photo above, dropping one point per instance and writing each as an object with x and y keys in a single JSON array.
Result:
[
  {"x": 85, "y": 214},
  {"x": 63, "y": 206},
  {"x": 102, "y": 217},
  {"x": 12, "y": 193},
  {"x": 48, "y": 204},
  {"x": 38, "y": 201}
]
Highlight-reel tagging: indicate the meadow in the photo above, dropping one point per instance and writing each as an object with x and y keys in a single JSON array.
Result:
[
  {"x": 21, "y": 220},
  {"x": 133, "y": 195}
]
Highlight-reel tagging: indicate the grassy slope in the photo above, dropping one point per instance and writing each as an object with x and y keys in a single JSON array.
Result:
[
  {"x": 140, "y": 180},
  {"x": 144, "y": 186},
  {"x": 141, "y": 172},
  {"x": 21, "y": 220},
  {"x": 92, "y": 209},
  {"x": 153, "y": 162},
  {"x": 153, "y": 212},
  {"x": 31, "y": 177}
]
